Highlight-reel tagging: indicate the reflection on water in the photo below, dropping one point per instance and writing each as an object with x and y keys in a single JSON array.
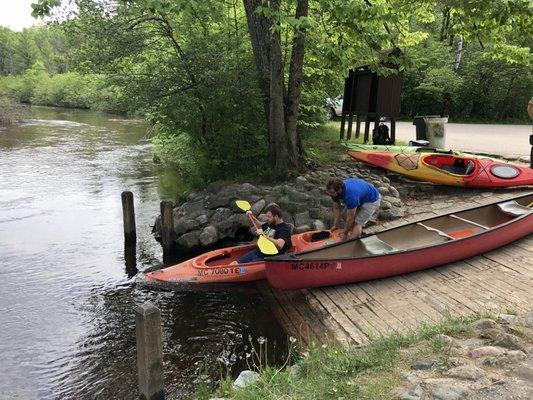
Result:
[{"x": 68, "y": 286}]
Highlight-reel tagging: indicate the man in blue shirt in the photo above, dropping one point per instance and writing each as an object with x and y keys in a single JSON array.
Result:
[{"x": 361, "y": 200}]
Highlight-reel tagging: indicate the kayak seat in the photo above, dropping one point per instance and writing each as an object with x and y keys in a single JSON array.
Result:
[
  {"x": 470, "y": 167},
  {"x": 376, "y": 246},
  {"x": 513, "y": 208},
  {"x": 454, "y": 169}
]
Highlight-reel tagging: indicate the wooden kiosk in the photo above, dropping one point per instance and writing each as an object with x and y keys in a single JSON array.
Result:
[{"x": 371, "y": 96}]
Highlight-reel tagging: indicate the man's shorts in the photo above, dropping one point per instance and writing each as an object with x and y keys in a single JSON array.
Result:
[{"x": 365, "y": 211}]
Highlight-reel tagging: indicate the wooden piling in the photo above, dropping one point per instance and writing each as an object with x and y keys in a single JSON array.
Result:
[
  {"x": 149, "y": 352},
  {"x": 167, "y": 226},
  {"x": 393, "y": 130},
  {"x": 367, "y": 129},
  {"x": 128, "y": 214},
  {"x": 358, "y": 126}
]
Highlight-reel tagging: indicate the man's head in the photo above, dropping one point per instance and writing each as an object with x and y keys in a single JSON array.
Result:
[
  {"x": 274, "y": 214},
  {"x": 334, "y": 187}
]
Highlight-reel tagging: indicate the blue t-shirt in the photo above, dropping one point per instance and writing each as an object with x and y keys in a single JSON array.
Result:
[{"x": 356, "y": 192}]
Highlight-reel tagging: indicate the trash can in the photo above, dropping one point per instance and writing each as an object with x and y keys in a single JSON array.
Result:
[{"x": 431, "y": 128}]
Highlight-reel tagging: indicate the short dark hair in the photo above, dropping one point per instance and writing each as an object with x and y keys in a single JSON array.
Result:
[
  {"x": 334, "y": 183},
  {"x": 274, "y": 209}
]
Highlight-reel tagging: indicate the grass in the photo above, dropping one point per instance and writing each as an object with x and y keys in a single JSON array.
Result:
[{"x": 368, "y": 373}]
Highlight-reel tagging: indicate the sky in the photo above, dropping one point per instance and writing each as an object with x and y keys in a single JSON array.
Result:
[{"x": 16, "y": 14}]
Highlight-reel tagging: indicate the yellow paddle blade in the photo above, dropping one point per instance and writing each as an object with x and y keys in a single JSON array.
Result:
[
  {"x": 243, "y": 205},
  {"x": 266, "y": 246},
  {"x": 530, "y": 205}
]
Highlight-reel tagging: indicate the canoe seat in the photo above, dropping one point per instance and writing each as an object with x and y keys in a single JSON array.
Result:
[
  {"x": 376, "y": 246},
  {"x": 513, "y": 208}
]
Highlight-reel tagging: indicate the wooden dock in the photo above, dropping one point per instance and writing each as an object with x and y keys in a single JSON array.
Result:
[{"x": 498, "y": 281}]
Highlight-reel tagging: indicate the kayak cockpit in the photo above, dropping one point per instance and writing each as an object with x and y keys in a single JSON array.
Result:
[{"x": 451, "y": 164}]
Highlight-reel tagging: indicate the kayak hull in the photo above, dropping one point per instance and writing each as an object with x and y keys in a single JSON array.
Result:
[
  {"x": 219, "y": 266},
  {"x": 325, "y": 267},
  {"x": 485, "y": 173},
  {"x": 397, "y": 149}
]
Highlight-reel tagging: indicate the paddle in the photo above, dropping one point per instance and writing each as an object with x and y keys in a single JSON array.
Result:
[{"x": 265, "y": 245}]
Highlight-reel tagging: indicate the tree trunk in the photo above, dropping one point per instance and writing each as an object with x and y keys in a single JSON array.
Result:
[
  {"x": 259, "y": 29},
  {"x": 458, "y": 54},
  {"x": 295, "y": 86},
  {"x": 285, "y": 147}
]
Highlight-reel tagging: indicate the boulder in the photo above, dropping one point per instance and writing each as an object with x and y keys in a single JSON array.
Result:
[
  {"x": 300, "y": 180},
  {"x": 221, "y": 214},
  {"x": 390, "y": 214},
  {"x": 424, "y": 364},
  {"x": 189, "y": 240},
  {"x": 501, "y": 339},
  {"x": 446, "y": 389},
  {"x": 394, "y": 192},
  {"x": 302, "y": 218},
  {"x": 503, "y": 360},
  {"x": 220, "y": 200},
  {"x": 385, "y": 205},
  {"x": 316, "y": 213},
  {"x": 467, "y": 372},
  {"x": 245, "y": 378},
  {"x": 484, "y": 324},
  {"x": 184, "y": 225},
  {"x": 486, "y": 351},
  {"x": 202, "y": 220},
  {"x": 318, "y": 225},
  {"x": 209, "y": 236},
  {"x": 258, "y": 206},
  {"x": 191, "y": 209},
  {"x": 384, "y": 190}
]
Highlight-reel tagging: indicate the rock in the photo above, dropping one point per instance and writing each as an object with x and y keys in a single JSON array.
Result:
[
  {"x": 424, "y": 364},
  {"x": 502, "y": 360},
  {"x": 445, "y": 389},
  {"x": 189, "y": 240},
  {"x": 384, "y": 190},
  {"x": 191, "y": 209},
  {"x": 258, "y": 206},
  {"x": 414, "y": 392},
  {"x": 525, "y": 320},
  {"x": 444, "y": 340},
  {"x": 184, "y": 225},
  {"x": 524, "y": 373},
  {"x": 202, "y": 220},
  {"x": 209, "y": 236},
  {"x": 486, "y": 351},
  {"x": 221, "y": 214},
  {"x": 300, "y": 180},
  {"x": 220, "y": 200},
  {"x": 326, "y": 201},
  {"x": 469, "y": 343},
  {"x": 302, "y": 218},
  {"x": 295, "y": 370},
  {"x": 318, "y": 225},
  {"x": 393, "y": 201},
  {"x": 391, "y": 214},
  {"x": 297, "y": 196},
  {"x": 385, "y": 205},
  {"x": 245, "y": 378},
  {"x": 262, "y": 217},
  {"x": 302, "y": 229},
  {"x": 484, "y": 324},
  {"x": 316, "y": 213},
  {"x": 385, "y": 179},
  {"x": 524, "y": 159},
  {"x": 507, "y": 318},
  {"x": 394, "y": 192},
  {"x": 468, "y": 372},
  {"x": 502, "y": 339}
]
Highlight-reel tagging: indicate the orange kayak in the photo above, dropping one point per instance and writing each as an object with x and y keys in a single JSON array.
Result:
[{"x": 216, "y": 266}]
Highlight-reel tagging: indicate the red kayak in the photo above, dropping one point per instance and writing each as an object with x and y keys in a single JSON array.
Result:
[
  {"x": 450, "y": 169},
  {"x": 407, "y": 248}
]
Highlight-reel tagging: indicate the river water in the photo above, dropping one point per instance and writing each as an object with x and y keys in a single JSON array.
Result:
[{"x": 67, "y": 327}]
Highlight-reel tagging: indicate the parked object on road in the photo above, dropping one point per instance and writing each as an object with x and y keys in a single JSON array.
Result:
[
  {"x": 334, "y": 107},
  {"x": 431, "y": 128},
  {"x": 407, "y": 248},
  {"x": 218, "y": 266},
  {"x": 450, "y": 169}
]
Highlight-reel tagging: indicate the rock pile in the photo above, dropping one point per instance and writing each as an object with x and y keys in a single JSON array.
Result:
[{"x": 210, "y": 215}]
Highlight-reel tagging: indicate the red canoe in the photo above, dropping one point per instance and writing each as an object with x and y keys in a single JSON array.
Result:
[{"x": 407, "y": 248}]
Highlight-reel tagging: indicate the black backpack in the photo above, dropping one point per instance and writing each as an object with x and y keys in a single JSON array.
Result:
[{"x": 382, "y": 135}]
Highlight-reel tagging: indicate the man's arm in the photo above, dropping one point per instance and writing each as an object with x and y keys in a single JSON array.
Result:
[
  {"x": 279, "y": 243},
  {"x": 350, "y": 221},
  {"x": 255, "y": 222}
]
